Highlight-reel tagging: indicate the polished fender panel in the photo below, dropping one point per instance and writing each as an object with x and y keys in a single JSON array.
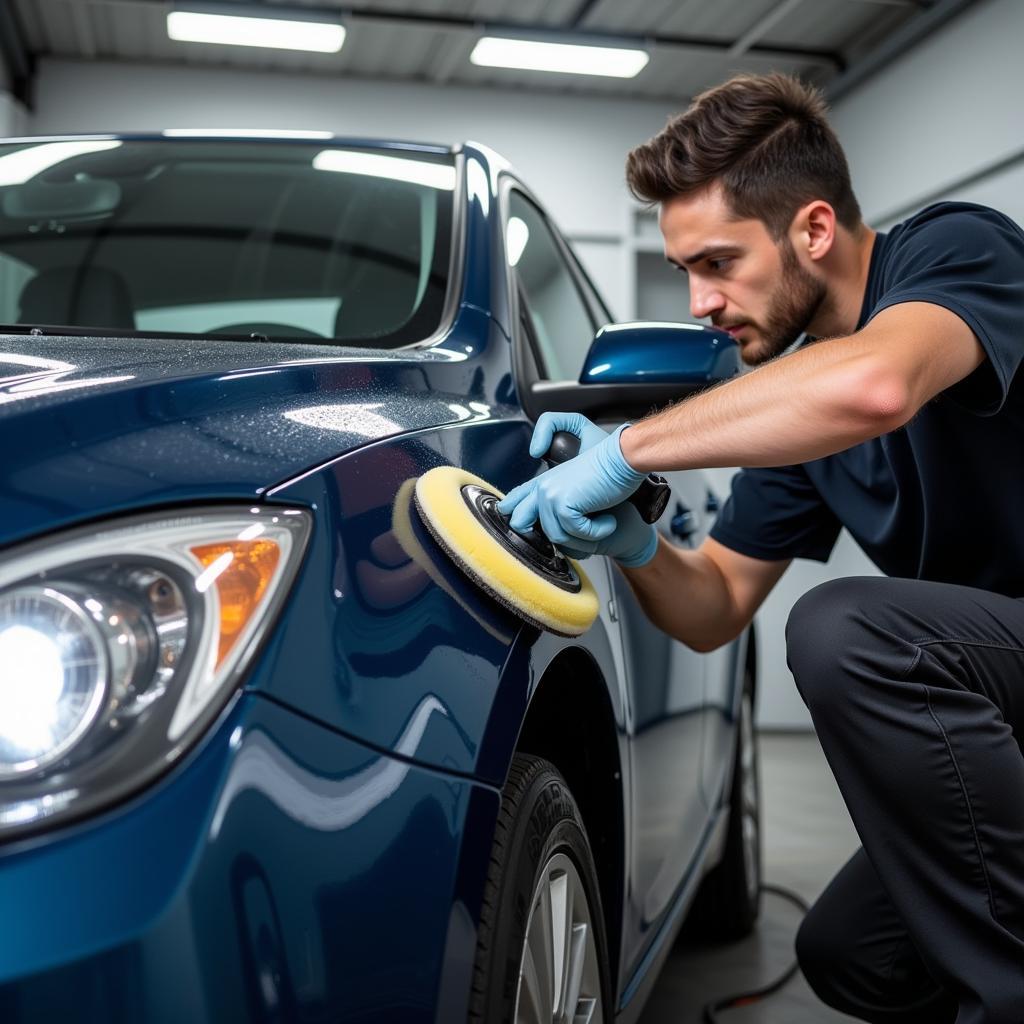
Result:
[{"x": 370, "y": 633}]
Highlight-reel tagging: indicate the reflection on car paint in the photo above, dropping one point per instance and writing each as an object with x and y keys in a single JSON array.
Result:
[
  {"x": 350, "y": 418},
  {"x": 310, "y": 799}
]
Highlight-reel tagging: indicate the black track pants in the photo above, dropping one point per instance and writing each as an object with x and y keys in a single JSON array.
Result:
[{"x": 916, "y": 690}]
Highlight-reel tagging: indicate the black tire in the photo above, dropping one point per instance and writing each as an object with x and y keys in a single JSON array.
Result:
[
  {"x": 538, "y": 821},
  {"x": 729, "y": 900}
]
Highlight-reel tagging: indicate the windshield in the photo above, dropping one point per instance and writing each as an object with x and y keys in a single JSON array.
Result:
[{"x": 275, "y": 239}]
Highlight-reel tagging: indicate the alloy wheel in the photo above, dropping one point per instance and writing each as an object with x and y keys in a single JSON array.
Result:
[{"x": 559, "y": 978}]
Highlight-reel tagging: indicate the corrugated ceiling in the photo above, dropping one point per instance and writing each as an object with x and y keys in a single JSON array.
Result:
[{"x": 693, "y": 43}]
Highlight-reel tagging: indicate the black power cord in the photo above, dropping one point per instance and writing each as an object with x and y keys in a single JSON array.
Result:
[{"x": 712, "y": 1009}]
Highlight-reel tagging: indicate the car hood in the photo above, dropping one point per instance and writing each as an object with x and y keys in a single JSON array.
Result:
[{"x": 93, "y": 426}]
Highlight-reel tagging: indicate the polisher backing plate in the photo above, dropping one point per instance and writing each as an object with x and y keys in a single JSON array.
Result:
[
  {"x": 449, "y": 576},
  {"x": 494, "y": 568}
]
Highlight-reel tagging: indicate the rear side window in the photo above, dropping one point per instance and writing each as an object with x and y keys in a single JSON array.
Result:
[{"x": 561, "y": 322}]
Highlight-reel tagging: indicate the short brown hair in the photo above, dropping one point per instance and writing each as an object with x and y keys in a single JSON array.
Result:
[{"x": 765, "y": 138}]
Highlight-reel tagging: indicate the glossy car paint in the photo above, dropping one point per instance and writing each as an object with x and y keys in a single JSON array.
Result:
[
  {"x": 337, "y": 867},
  {"x": 188, "y": 904},
  {"x": 660, "y": 353},
  {"x": 119, "y": 424}
]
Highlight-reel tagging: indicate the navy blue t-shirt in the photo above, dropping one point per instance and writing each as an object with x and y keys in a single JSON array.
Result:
[{"x": 942, "y": 497}]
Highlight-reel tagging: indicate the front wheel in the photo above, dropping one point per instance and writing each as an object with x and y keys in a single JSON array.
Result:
[{"x": 541, "y": 949}]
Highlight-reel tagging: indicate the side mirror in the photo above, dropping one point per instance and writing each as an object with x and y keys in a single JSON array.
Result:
[{"x": 632, "y": 368}]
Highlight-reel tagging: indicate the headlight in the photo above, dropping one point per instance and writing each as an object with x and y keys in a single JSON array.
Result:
[
  {"x": 118, "y": 647},
  {"x": 53, "y": 675}
]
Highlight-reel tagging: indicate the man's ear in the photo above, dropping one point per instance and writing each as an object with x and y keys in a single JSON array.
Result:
[{"x": 814, "y": 229}]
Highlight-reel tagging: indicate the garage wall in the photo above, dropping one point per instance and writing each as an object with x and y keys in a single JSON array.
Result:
[
  {"x": 13, "y": 116},
  {"x": 570, "y": 150},
  {"x": 944, "y": 122}
]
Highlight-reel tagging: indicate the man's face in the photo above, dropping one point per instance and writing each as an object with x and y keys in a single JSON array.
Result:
[{"x": 740, "y": 277}]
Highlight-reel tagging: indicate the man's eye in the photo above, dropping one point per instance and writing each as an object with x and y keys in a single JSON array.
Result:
[{"x": 721, "y": 263}]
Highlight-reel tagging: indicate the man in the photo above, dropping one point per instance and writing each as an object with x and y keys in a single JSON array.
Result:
[{"x": 899, "y": 417}]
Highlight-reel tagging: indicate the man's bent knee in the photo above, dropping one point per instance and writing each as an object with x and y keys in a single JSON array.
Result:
[
  {"x": 820, "y": 616},
  {"x": 831, "y": 627}
]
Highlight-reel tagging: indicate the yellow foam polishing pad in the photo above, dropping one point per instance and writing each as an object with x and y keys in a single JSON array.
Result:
[
  {"x": 407, "y": 528},
  {"x": 482, "y": 556}
]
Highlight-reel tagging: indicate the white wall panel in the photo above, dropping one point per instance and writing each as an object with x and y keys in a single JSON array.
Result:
[
  {"x": 13, "y": 116},
  {"x": 1004, "y": 191},
  {"x": 947, "y": 108}
]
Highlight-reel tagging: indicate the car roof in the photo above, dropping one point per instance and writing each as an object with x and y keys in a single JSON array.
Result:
[
  {"x": 494, "y": 163},
  {"x": 242, "y": 135}
]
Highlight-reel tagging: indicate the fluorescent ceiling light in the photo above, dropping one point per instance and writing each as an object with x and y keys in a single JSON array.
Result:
[
  {"x": 252, "y": 30},
  {"x": 567, "y": 58},
  {"x": 16, "y": 168},
  {"x": 243, "y": 133},
  {"x": 377, "y": 165}
]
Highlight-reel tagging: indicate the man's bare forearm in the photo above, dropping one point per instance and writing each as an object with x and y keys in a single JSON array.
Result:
[
  {"x": 821, "y": 399},
  {"x": 685, "y": 595}
]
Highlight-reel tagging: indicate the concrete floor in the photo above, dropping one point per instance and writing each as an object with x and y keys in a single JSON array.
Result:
[{"x": 808, "y": 836}]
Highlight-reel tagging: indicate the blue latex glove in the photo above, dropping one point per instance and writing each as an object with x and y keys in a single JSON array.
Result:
[
  {"x": 633, "y": 542},
  {"x": 565, "y": 498}
]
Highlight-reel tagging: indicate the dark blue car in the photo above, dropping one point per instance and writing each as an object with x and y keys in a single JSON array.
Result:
[{"x": 266, "y": 754}]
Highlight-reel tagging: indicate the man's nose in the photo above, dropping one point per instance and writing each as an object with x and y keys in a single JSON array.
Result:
[{"x": 704, "y": 299}]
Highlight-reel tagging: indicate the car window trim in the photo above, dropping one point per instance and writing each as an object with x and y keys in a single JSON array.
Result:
[
  {"x": 456, "y": 262},
  {"x": 526, "y": 367}
]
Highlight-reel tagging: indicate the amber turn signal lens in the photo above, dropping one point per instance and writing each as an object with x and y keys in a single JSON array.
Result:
[{"x": 242, "y": 570}]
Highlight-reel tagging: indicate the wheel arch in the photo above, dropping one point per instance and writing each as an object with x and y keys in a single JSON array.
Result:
[
  {"x": 746, "y": 660},
  {"x": 571, "y": 722}
]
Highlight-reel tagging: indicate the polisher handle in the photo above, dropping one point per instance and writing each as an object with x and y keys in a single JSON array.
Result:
[{"x": 649, "y": 499}]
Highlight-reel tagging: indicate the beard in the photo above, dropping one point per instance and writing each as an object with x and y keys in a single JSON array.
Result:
[{"x": 793, "y": 305}]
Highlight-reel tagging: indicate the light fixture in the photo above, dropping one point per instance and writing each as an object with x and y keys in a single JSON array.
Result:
[
  {"x": 565, "y": 58},
  {"x": 209, "y": 23}
]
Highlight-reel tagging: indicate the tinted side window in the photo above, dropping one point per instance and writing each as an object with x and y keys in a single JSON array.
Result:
[{"x": 561, "y": 321}]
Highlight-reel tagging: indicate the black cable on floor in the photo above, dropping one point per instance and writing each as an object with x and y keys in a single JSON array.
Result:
[{"x": 712, "y": 1009}]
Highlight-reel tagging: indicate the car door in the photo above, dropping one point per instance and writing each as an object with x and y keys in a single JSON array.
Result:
[
  {"x": 559, "y": 314},
  {"x": 722, "y": 679}
]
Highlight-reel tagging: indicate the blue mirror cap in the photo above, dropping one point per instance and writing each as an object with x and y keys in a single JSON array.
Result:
[{"x": 647, "y": 351}]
